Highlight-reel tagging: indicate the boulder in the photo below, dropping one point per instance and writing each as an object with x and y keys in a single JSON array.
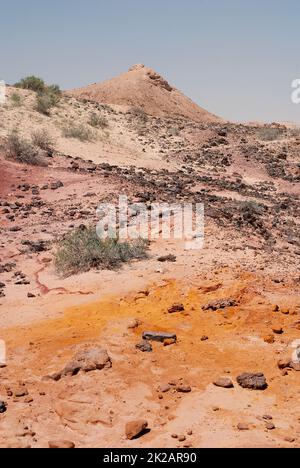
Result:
[
  {"x": 135, "y": 429},
  {"x": 252, "y": 381}
]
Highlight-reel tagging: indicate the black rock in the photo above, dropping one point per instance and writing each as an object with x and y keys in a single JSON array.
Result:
[
  {"x": 2, "y": 407},
  {"x": 252, "y": 381},
  {"x": 158, "y": 336},
  {"x": 167, "y": 258}
]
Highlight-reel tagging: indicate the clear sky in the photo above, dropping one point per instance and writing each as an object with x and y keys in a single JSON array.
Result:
[{"x": 236, "y": 58}]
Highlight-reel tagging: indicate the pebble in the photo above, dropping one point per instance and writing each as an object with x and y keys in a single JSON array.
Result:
[
  {"x": 135, "y": 428},
  {"x": 270, "y": 426},
  {"x": 224, "y": 382},
  {"x": 289, "y": 439},
  {"x": 183, "y": 388},
  {"x": 243, "y": 427},
  {"x": 61, "y": 444},
  {"x": 3, "y": 407}
]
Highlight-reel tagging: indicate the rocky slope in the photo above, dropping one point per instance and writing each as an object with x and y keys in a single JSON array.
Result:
[{"x": 144, "y": 89}]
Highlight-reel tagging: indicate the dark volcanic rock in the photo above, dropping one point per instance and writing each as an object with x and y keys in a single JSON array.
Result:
[
  {"x": 176, "y": 308},
  {"x": 252, "y": 381},
  {"x": 222, "y": 304},
  {"x": 2, "y": 407},
  {"x": 167, "y": 258},
  {"x": 158, "y": 336}
]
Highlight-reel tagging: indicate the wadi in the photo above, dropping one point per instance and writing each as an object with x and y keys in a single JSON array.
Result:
[{"x": 145, "y": 343}]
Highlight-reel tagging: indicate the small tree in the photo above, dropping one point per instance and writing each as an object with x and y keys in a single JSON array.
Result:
[{"x": 32, "y": 82}]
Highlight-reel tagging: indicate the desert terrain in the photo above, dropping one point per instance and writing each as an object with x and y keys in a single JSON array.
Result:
[{"x": 229, "y": 309}]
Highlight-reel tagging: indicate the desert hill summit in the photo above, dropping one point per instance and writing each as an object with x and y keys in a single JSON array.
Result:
[{"x": 143, "y": 88}]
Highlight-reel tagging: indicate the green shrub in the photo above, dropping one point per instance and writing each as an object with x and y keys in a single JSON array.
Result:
[
  {"x": 16, "y": 100},
  {"x": 33, "y": 83},
  {"x": 44, "y": 103},
  {"x": 22, "y": 151},
  {"x": 97, "y": 121},
  {"x": 78, "y": 131},
  {"x": 42, "y": 139},
  {"x": 47, "y": 96},
  {"x": 82, "y": 250},
  {"x": 54, "y": 90},
  {"x": 46, "y": 100}
]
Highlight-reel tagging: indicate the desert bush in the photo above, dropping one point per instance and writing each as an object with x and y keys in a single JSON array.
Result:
[
  {"x": 44, "y": 103},
  {"x": 78, "y": 131},
  {"x": 97, "y": 121},
  {"x": 33, "y": 83},
  {"x": 22, "y": 150},
  {"x": 54, "y": 90},
  {"x": 47, "y": 95},
  {"x": 269, "y": 134},
  {"x": 42, "y": 139},
  {"x": 47, "y": 99},
  {"x": 82, "y": 250},
  {"x": 16, "y": 100},
  {"x": 140, "y": 114}
]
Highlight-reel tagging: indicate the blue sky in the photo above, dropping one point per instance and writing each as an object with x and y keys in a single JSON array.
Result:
[{"x": 236, "y": 58}]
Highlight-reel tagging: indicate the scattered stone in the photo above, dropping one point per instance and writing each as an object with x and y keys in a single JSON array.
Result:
[
  {"x": 20, "y": 392},
  {"x": 3, "y": 407},
  {"x": 243, "y": 427},
  {"x": 56, "y": 185},
  {"x": 176, "y": 308},
  {"x": 285, "y": 311},
  {"x": 134, "y": 323},
  {"x": 144, "y": 346},
  {"x": 164, "y": 388},
  {"x": 252, "y": 381},
  {"x": 224, "y": 382},
  {"x": 220, "y": 304},
  {"x": 183, "y": 388},
  {"x": 267, "y": 417},
  {"x": 174, "y": 436},
  {"x": 30, "y": 295},
  {"x": 295, "y": 366},
  {"x": 169, "y": 342},
  {"x": 167, "y": 258},
  {"x": 284, "y": 363},
  {"x": 61, "y": 444},
  {"x": 269, "y": 339},
  {"x": 159, "y": 336},
  {"x": 181, "y": 438},
  {"x": 204, "y": 338},
  {"x": 277, "y": 329},
  {"x": 86, "y": 361},
  {"x": 289, "y": 439},
  {"x": 135, "y": 429},
  {"x": 270, "y": 426}
]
